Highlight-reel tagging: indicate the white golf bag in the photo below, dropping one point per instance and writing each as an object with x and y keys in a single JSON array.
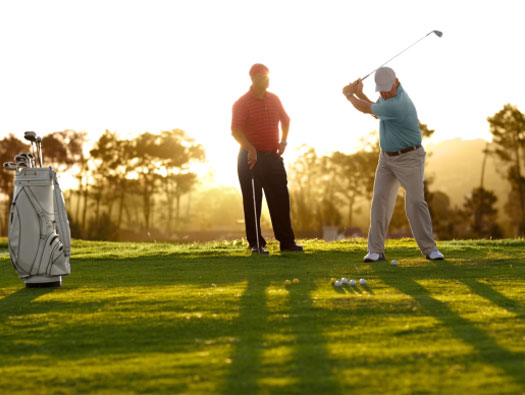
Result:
[{"x": 39, "y": 237}]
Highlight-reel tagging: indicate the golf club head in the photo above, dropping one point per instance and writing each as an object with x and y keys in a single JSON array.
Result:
[
  {"x": 20, "y": 157},
  {"x": 28, "y": 155},
  {"x": 23, "y": 163},
  {"x": 23, "y": 159},
  {"x": 30, "y": 159},
  {"x": 31, "y": 136},
  {"x": 437, "y": 32},
  {"x": 11, "y": 166}
]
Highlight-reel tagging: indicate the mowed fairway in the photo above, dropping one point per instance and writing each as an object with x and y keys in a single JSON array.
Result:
[{"x": 209, "y": 318}]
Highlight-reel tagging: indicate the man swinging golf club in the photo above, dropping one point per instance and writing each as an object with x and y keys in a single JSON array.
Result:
[
  {"x": 255, "y": 126},
  {"x": 401, "y": 162}
]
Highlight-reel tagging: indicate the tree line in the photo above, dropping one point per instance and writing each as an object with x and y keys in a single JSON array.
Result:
[{"x": 144, "y": 187}]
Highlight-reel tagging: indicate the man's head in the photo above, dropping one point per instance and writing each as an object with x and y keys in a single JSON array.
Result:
[
  {"x": 386, "y": 82},
  {"x": 259, "y": 74}
]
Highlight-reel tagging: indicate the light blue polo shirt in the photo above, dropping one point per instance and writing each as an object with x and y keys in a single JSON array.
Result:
[{"x": 398, "y": 122}]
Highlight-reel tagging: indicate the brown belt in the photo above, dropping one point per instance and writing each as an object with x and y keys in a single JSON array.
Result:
[{"x": 403, "y": 151}]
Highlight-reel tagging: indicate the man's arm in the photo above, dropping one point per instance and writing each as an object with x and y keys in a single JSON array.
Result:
[
  {"x": 354, "y": 94},
  {"x": 359, "y": 104},
  {"x": 243, "y": 141},
  {"x": 360, "y": 94},
  {"x": 284, "y": 139}
]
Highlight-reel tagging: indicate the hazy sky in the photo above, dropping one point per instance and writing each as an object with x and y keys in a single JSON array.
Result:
[{"x": 135, "y": 66}]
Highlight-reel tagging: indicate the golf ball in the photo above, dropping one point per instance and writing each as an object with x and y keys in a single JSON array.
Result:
[
  {"x": 394, "y": 262},
  {"x": 344, "y": 280},
  {"x": 337, "y": 283},
  {"x": 332, "y": 281},
  {"x": 287, "y": 282},
  {"x": 352, "y": 283},
  {"x": 362, "y": 281},
  {"x": 296, "y": 281}
]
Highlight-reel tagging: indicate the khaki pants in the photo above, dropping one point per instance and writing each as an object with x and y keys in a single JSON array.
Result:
[{"x": 406, "y": 170}]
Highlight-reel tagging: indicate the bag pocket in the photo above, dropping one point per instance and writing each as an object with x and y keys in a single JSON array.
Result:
[{"x": 24, "y": 231}]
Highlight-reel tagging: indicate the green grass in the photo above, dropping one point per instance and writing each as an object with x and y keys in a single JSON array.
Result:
[{"x": 209, "y": 318}]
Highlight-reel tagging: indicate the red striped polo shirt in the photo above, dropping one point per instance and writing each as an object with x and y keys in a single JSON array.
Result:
[{"x": 259, "y": 120}]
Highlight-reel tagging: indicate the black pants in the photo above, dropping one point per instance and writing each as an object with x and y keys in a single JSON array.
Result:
[{"x": 270, "y": 176}]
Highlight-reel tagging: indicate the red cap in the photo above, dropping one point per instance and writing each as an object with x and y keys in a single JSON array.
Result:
[{"x": 259, "y": 69}]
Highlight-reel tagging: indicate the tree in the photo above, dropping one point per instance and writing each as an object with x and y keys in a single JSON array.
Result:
[
  {"x": 355, "y": 174},
  {"x": 63, "y": 150},
  {"x": 111, "y": 157},
  {"x": 178, "y": 153},
  {"x": 153, "y": 157},
  {"x": 479, "y": 208},
  {"x": 508, "y": 130},
  {"x": 305, "y": 192}
]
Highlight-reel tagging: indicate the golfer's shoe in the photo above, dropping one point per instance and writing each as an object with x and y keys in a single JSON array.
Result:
[
  {"x": 261, "y": 250},
  {"x": 373, "y": 257},
  {"x": 435, "y": 255},
  {"x": 292, "y": 248}
]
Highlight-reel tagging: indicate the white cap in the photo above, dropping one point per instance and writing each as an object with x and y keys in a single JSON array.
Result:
[{"x": 385, "y": 78}]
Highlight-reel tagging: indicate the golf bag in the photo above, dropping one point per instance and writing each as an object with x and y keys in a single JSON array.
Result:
[{"x": 39, "y": 238}]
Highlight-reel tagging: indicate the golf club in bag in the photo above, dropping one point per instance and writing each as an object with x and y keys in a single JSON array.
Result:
[{"x": 39, "y": 238}]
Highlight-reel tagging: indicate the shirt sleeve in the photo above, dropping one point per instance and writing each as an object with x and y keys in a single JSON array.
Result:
[
  {"x": 387, "y": 109},
  {"x": 283, "y": 116},
  {"x": 239, "y": 116}
]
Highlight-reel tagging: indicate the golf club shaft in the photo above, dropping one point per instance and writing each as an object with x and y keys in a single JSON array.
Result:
[
  {"x": 39, "y": 145},
  {"x": 255, "y": 213},
  {"x": 395, "y": 56}
]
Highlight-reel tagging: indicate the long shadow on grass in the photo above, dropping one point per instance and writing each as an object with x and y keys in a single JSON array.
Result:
[
  {"x": 19, "y": 302},
  {"x": 509, "y": 362},
  {"x": 246, "y": 355},
  {"x": 487, "y": 292},
  {"x": 309, "y": 366},
  {"x": 312, "y": 368}
]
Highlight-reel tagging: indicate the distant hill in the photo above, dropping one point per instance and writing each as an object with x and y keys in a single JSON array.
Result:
[{"x": 455, "y": 166}]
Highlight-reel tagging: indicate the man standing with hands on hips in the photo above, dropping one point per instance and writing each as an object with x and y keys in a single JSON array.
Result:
[
  {"x": 401, "y": 162},
  {"x": 255, "y": 126}
]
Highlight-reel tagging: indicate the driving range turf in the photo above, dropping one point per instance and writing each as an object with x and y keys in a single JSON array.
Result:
[{"x": 209, "y": 318}]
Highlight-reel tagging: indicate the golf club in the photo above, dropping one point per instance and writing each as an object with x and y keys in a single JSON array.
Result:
[
  {"x": 255, "y": 214},
  {"x": 39, "y": 146},
  {"x": 436, "y": 32},
  {"x": 29, "y": 158},
  {"x": 22, "y": 158},
  {"x": 11, "y": 166},
  {"x": 31, "y": 136}
]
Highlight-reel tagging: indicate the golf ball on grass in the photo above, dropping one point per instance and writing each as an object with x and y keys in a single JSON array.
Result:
[
  {"x": 344, "y": 280},
  {"x": 394, "y": 262},
  {"x": 338, "y": 283},
  {"x": 332, "y": 281},
  {"x": 352, "y": 283},
  {"x": 362, "y": 281},
  {"x": 295, "y": 281},
  {"x": 287, "y": 282}
]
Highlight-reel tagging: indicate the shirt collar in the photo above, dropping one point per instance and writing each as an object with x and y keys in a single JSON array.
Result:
[{"x": 399, "y": 90}]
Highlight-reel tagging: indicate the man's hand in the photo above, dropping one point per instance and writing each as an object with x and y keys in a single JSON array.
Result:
[
  {"x": 350, "y": 89},
  {"x": 281, "y": 149},
  {"x": 252, "y": 158},
  {"x": 359, "y": 87}
]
